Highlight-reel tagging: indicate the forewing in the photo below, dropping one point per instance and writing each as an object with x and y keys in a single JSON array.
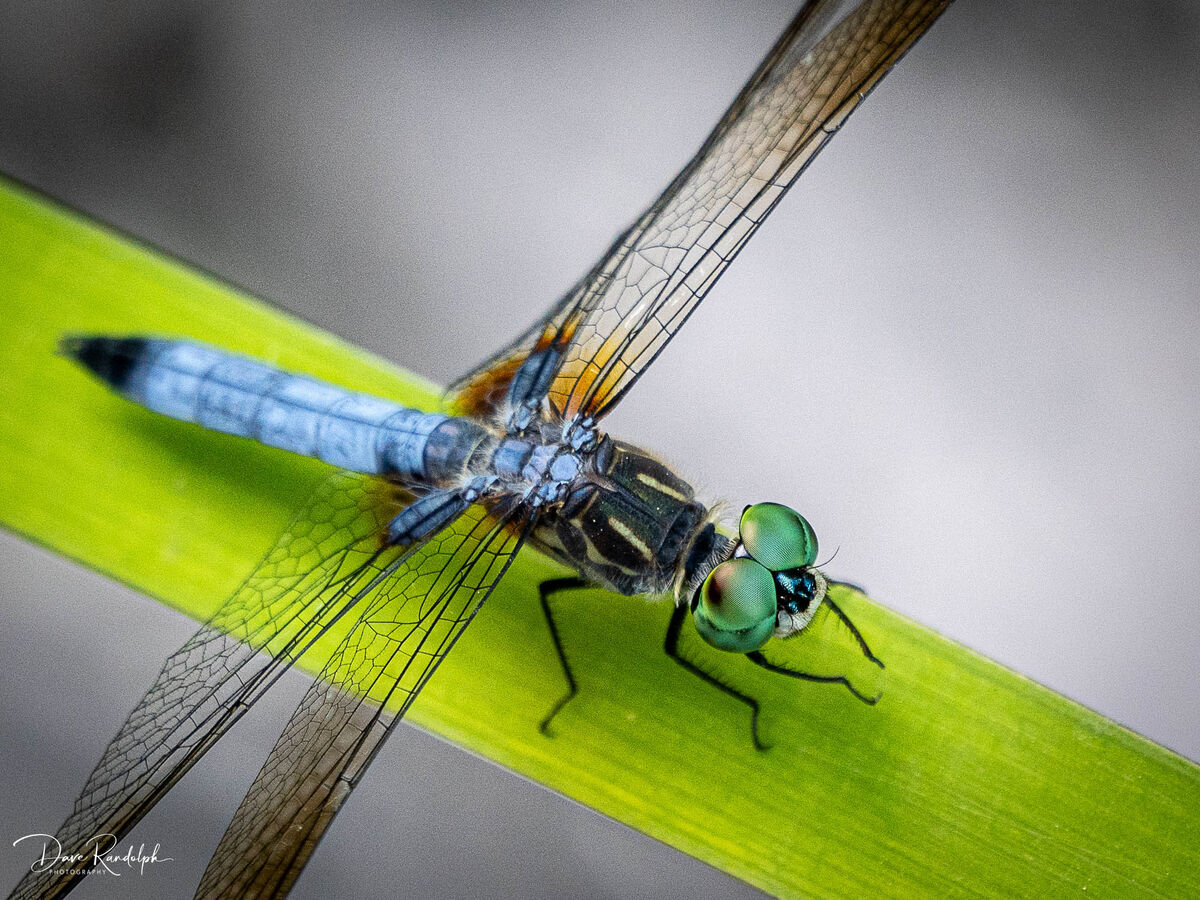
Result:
[
  {"x": 643, "y": 291},
  {"x": 305, "y": 581},
  {"x": 603, "y": 333},
  {"x": 411, "y": 617}
]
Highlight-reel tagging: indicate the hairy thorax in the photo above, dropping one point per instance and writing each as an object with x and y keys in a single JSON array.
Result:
[{"x": 626, "y": 521}]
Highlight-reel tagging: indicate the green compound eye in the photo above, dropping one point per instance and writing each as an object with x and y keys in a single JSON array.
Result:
[
  {"x": 778, "y": 536},
  {"x": 736, "y": 608}
]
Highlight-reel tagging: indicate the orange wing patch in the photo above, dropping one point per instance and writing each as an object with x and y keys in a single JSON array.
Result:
[{"x": 486, "y": 391}]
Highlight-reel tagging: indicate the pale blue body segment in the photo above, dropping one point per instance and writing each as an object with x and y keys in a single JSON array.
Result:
[{"x": 235, "y": 395}]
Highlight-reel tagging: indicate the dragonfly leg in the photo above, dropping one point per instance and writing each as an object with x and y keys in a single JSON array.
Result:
[
  {"x": 759, "y": 660},
  {"x": 859, "y": 639},
  {"x": 862, "y": 641},
  {"x": 546, "y": 590},
  {"x": 671, "y": 646}
]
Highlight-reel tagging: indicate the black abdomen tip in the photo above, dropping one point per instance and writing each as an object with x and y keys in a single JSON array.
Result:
[{"x": 110, "y": 359}]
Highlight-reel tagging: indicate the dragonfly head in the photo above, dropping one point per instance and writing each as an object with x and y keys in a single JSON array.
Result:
[{"x": 769, "y": 586}]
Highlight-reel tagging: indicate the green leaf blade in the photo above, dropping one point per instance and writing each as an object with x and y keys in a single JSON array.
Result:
[{"x": 966, "y": 778}]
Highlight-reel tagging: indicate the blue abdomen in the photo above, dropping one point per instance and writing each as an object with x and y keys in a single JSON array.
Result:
[{"x": 201, "y": 384}]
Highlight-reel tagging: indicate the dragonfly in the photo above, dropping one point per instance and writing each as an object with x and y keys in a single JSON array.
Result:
[{"x": 423, "y": 512}]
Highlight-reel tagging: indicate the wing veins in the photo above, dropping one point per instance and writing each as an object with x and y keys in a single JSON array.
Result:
[
  {"x": 599, "y": 389},
  {"x": 184, "y": 713},
  {"x": 326, "y": 793}
]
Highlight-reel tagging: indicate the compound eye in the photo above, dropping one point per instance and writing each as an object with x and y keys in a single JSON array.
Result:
[
  {"x": 778, "y": 536},
  {"x": 736, "y": 606}
]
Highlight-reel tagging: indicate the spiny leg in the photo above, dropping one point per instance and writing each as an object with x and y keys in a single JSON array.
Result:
[
  {"x": 862, "y": 641},
  {"x": 671, "y": 646},
  {"x": 758, "y": 659},
  {"x": 546, "y": 590}
]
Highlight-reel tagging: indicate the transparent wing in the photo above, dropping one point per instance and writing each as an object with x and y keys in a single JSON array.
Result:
[
  {"x": 415, "y": 612},
  {"x": 799, "y": 97},
  {"x": 301, "y": 586},
  {"x": 613, "y": 325}
]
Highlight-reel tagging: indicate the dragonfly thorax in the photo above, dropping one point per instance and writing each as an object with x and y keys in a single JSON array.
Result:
[
  {"x": 544, "y": 472},
  {"x": 624, "y": 520}
]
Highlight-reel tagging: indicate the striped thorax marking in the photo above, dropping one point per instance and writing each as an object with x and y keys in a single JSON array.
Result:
[
  {"x": 628, "y": 533},
  {"x": 625, "y": 521},
  {"x": 650, "y": 481}
]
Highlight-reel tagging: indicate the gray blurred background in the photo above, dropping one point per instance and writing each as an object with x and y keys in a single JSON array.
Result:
[{"x": 965, "y": 346}]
